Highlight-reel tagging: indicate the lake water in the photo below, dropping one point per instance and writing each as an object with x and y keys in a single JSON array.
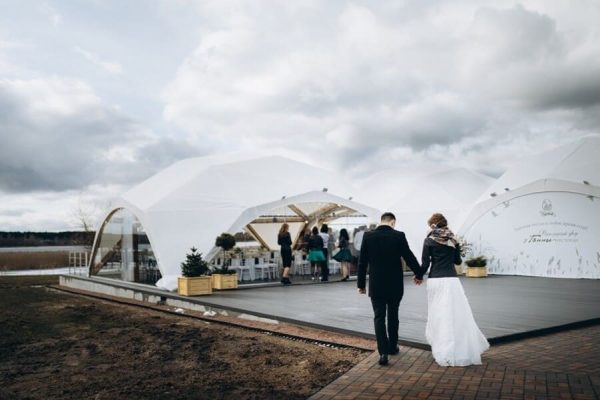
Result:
[
  {"x": 37, "y": 249},
  {"x": 52, "y": 271}
]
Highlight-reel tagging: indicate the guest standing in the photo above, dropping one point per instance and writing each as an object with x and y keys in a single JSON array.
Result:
[
  {"x": 325, "y": 264},
  {"x": 284, "y": 240},
  {"x": 315, "y": 251},
  {"x": 331, "y": 242},
  {"x": 344, "y": 256},
  {"x": 451, "y": 330},
  {"x": 302, "y": 244}
]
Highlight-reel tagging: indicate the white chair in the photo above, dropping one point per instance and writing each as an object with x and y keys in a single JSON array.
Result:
[
  {"x": 264, "y": 271},
  {"x": 334, "y": 267},
  {"x": 300, "y": 266},
  {"x": 243, "y": 272},
  {"x": 250, "y": 263},
  {"x": 273, "y": 264}
]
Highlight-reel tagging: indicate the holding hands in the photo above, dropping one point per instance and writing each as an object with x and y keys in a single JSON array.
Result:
[{"x": 417, "y": 281}]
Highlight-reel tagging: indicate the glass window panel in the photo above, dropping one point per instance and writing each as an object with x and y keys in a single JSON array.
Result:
[{"x": 124, "y": 251}]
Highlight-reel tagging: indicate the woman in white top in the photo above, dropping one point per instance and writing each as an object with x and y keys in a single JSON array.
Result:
[{"x": 325, "y": 264}]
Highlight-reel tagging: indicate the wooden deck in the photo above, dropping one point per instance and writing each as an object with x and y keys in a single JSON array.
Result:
[{"x": 502, "y": 305}]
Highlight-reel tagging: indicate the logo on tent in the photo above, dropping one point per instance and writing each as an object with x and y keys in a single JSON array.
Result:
[{"x": 547, "y": 208}]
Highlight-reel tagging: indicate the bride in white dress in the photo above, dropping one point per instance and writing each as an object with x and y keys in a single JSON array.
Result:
[{"x": 451, "y": 331}]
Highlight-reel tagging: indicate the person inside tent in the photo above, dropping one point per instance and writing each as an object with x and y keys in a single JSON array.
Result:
[
  {"x": 343, "y": 256},
  {"x": 315, "y": 251},
  {"x": 285, "y": 241},
  {"x": 325, "y": 264}
]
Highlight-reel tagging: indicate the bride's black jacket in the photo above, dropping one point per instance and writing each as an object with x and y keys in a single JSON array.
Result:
[{"x": 441, "y": 257}]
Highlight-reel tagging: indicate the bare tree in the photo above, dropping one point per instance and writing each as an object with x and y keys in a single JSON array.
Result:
[{"x": 85, "y": 214}]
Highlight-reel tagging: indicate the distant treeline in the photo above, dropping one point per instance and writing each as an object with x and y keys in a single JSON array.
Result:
[{"x": 26, "y": 239}]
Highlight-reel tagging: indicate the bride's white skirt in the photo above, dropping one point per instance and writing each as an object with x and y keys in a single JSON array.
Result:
[{"x": 451, "y": 331}]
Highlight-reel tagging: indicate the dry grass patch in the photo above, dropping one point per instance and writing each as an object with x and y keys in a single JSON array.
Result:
[{"x": 11, "y": 261}]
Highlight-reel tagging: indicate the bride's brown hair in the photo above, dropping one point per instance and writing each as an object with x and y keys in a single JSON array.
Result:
[{"x": 438, "y": 220}]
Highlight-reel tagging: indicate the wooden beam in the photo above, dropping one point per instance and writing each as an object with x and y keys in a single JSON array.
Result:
[
  {"x": 324, "y": 211},
  {"x": 257, "y": 237},
  {"x": 105, "y": 259},
  {"x": 314, "y": 217},
  {"x": 298, "y": 211},
  {"x": 298, "y": 235},
  {"x": 269, "y": 220},
  {"x": 347, "y": 213}
]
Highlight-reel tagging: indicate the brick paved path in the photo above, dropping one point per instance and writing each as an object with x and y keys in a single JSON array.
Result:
[{"x": 564, "y": 365}]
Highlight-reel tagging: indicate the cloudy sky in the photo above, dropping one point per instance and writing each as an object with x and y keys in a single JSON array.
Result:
[{"x": 97, "y": 95}]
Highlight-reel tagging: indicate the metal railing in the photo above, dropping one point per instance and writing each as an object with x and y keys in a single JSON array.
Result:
[{"x": 78, "y": 263}]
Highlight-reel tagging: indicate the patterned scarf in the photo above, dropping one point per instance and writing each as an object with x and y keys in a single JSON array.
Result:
[{"x": 443, "y": 236}]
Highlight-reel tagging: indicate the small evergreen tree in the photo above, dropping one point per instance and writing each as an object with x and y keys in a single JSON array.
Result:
[{"x": 194, "y": 265}]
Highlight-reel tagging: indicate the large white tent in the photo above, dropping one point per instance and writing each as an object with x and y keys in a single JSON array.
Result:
[
  {"x": 194, "y": 200},
  {"x": 542, "y": 216},
  {"x": 414, "y": 194}
]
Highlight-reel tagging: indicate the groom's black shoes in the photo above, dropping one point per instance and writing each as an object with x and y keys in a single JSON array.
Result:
[
  {"x": 394, "y": 351},
  {"x": 383, "y": 359}
]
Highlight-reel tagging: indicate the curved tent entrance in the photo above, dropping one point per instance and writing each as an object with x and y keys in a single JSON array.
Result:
[
  {"x": 300, "y": 217},
  {"x": 258, "y": 228},
  {"x": 122, "y": 250}
]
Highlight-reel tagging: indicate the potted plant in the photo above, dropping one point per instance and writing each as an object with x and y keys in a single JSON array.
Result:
[
  {"x": 223, "y": 277},
  {"x": 476, "y": 267},
  {"x": 195, "y": 279},
  {"x": 465, "y": 249}
]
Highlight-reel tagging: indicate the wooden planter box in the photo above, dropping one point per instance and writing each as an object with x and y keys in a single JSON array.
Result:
[
  {"x": 224, "y": 281},
  {"x": 476, "y": 272},
  {"x": 195, "y": 286}
]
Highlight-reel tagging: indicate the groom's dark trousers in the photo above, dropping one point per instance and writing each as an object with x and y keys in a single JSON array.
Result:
[
  {"x": 386, "y": 340},
  {"x": 381, "y": 253}
]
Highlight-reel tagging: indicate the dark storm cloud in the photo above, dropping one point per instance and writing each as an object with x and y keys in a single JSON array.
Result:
[
  {"x": 165, "y": 150},
  {"x": 568, "y": 90},
  {"x": 58, "y": 135},
  {"x": 416, "y": 79},
  {"x": 522, "y": 56}
]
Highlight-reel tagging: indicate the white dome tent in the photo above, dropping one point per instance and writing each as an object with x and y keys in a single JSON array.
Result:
[
  {"x": 299, "y": 212},
  {"x": 542, "y": 216},
  {"x": 194, "y": 200},
  {"x": 413, "y": 195},
  {"x": 450, "y": 192}
]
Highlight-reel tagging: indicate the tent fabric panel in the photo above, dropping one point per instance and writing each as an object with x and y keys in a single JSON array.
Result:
[
  {"x": 269, "y": 232},
  {"x": 252, "y": 182},
  {"x": 543, "y": 233},
  {"x": 575, "y": 162}
]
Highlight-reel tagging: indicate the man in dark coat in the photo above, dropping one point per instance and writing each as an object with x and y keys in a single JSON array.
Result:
[{"x": 382, "y": 251}]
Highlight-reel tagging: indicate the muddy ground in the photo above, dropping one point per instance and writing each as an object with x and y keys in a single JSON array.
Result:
[{"x": 55, "y": 345}]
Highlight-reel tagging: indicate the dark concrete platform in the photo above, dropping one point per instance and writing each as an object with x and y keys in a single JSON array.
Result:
[
  {"x": 502, "y": 305},
  {"x": 505, "y": 307}
]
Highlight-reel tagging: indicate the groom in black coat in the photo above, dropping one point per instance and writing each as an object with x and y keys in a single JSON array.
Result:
[{"x": 382, "y": 251}]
